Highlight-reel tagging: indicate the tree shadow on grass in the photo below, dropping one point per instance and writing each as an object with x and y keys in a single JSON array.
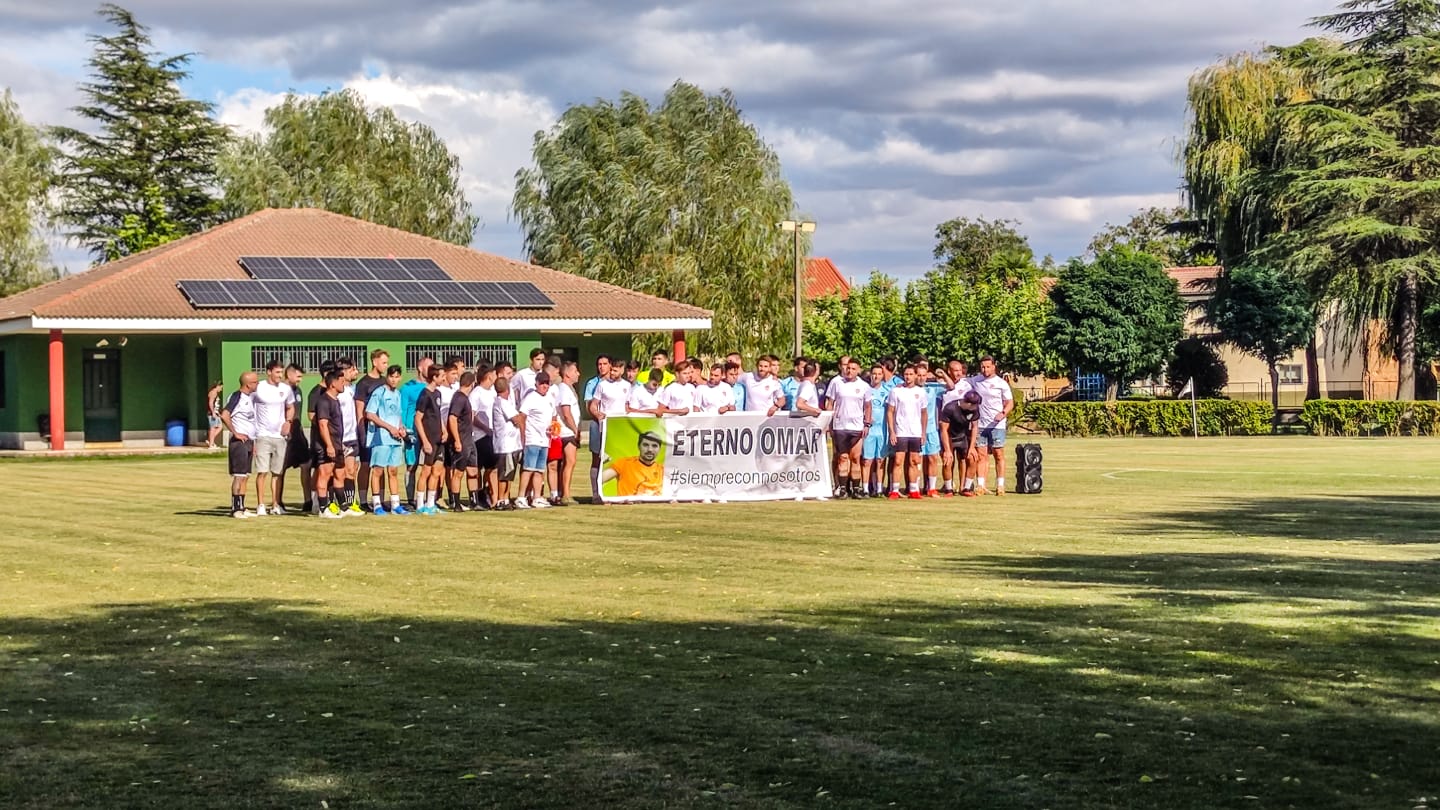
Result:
[
  {"x": 1370, "y": 518},
  {"x": 271, "y": 704}
]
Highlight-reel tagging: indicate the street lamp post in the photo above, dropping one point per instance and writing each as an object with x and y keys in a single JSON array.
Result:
[{"x": 795, "y": 228}]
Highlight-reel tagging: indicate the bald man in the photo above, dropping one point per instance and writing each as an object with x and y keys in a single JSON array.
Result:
[{"x": 238, "y": 416}]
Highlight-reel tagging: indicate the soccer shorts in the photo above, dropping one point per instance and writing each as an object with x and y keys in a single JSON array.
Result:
[
  {"x": 366, "y": 453},
  {"x": 385, "y": 456},
  {"x": 352, "y": 451},
  {"x": 845, "y": 440},
  {"x": 462, "y": 459},
  {"x": 485, "y": 457},
  {"x": 435, "y": 456},
  {"x": 240, "y": 456},
  {"x": 269, "y": 455},
  {"x": 990, "y": 438},
  {"x": 877, "y": 446},
  {"x": 909, "y": 444},
  {"x": 318, "y": 455},
  {"x": 535, "y": 457},
  {"x": 932, "y": 445}
]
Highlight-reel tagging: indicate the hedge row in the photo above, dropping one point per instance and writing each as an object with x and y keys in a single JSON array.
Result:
[
  {"x": 1355, "y": 417},
  {"x": 1164, "y": 417}
]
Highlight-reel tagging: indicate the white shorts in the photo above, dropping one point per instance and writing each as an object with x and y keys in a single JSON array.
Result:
[{"x": 270, "y": 452}]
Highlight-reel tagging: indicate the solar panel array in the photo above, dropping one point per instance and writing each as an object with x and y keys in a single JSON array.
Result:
[{"x": 357, "y": 283}]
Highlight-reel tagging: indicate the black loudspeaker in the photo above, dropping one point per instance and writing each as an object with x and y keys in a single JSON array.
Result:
[{"x": 1028, "y": 478}]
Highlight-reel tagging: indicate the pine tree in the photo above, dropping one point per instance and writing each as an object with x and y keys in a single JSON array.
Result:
[{"x": 150, "y": 136}]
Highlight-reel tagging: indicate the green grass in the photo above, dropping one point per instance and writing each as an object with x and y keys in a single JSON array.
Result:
[{"x": 1173, "y": 624}]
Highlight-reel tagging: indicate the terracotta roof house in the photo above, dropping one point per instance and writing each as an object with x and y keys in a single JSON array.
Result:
[
  {"x": 823, "y": 278},
  {"x": 120, "y": 354}
]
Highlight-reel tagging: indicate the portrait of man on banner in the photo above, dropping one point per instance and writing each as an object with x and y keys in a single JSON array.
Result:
[{"x": 634, "y": 463}]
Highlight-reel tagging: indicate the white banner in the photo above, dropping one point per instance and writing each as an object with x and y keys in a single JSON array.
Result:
[{"x": 732, "y": 456}]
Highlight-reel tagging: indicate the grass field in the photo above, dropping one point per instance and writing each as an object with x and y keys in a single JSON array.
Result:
[{"x": 1173, "y": 624}]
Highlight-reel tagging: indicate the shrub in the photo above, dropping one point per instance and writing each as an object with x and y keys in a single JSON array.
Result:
[
  {"x": 1216, "y": 417},
  {"x": 1354, "y": 417}
]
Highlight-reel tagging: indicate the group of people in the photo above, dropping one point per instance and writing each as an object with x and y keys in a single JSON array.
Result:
[{"x": 383, "y": 445}]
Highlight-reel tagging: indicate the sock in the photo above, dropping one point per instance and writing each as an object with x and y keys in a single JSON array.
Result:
[
  {"x": 894, "y": 486},
  {"x": 454, "y": 501},
  {"x": 931, "y": 481},
  {"x": 237, "y": 503},
  {"x": 980, "y": 481},
  {"x": 999, "y": 482},
  {"x": 394, "y": 501},
  {"x": 969, "y": 483},
  {"x": 914, "y": 486},
  {"x": 375, "y": 501},
  {"x": 430, "y": 498},
  {"x": 349, "y": 494}
]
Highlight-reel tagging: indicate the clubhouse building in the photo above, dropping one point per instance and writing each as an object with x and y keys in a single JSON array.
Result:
[{"x": 122, "y": 355}]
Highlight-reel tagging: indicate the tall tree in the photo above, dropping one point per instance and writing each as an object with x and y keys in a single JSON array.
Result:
[
  {"x": 680, "y": 200},
  {"x": 25, "y": 178},
  {"x": 1367, "y": 209},
  {"x": 1154, "y": 230},
  {"x": 333, "y": 152},
  {"x": 1262, "y": 312},
  {"x": 969, "y": 247},
  {"x": 149, "y": 136},
  {"x": 1119, "y": 316}
]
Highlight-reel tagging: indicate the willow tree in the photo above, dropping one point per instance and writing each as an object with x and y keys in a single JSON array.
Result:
[
  {"x": 333, "y": 152},
  {"x": 679, "y": 200},
  {"x": 25, "y": 179}
]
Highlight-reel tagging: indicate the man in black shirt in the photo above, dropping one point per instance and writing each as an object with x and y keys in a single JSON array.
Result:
[
  {"x": 461, "y": 458},
  {"x": 374, "y": 378},
  {"x": 316, "y": 394},
  {"x": 430, "y": 431},
  {"x": 327, "y": 444},
  {"x": 957, "y": 419},
  {"x": 297, "y": 452}
]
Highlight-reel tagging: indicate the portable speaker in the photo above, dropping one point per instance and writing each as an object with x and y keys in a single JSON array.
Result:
[{"x": 1028, "y": 479}]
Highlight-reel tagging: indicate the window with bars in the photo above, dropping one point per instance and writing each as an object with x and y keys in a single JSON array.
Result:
[
  {"x": 308, "y": 357},
  {"x": 472, "y": 353}
]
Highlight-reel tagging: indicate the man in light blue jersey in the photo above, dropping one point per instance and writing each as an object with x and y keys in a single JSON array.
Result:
[
  {"x": 386, "y": 440},
  {"x": 876, "y": 448},
  {"x": 932, "y": 450},
  {"x": 410, "y": 394}
]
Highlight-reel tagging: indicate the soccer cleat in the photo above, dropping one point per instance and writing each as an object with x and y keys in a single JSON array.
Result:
[
  {"x": 999, "y": 490},
  {"x": 915, "y": 495},
  {"x": 967, "y": 493},
  {"x": 355, "y": 509},
  {"x": 947, "y": 493},
  {"x": 980, "y": 491},
  {"x": 307, "y": 507},
  {"x": 894, "y": 496},
  {"x": 399, "y": 509},
  {"x": 327, "y": 514},
  {"x": 932, "y": 493},
  {"x": 378, "y": 511},
  {"x": 241, "y": 514},
  {"x": 541, "y": 503},
  {"x": 260, "y": 510},
  {"x": 333, "y": 509},
  {"x": 841, "y": 494}
]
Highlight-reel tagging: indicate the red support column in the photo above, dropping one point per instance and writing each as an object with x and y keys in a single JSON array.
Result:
[
  {"x": 679, "y": 348},
  {"x": 57, "y": 390}
]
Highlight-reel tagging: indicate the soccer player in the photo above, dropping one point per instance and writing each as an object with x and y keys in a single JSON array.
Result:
[
  {"x": 297, "y": 451},
  {"x": 848, "y": 400},
  {"x": 430, "y": 430},
  {"x": 274, "y": 408},
  {"x": 632, "y": 373},
  {"x": 905, "y": 418},
  {"x": 537, "y": 412},
  {"x": 567, "y": 406},
  {"x": 505, "y": 422},
  {"x": 740, "y": 378},
  {"x": 678, "y": 397},
  {"x": 960, "y": 384},
  {"x": 374, "y": 378},
  {"x": 610, "y": 399},
  {"x": 957, "y": 423},
  {"x": 646, "y": 398},
  {"x": 524, "y": 381},
  {"x": 807, "y": 394},
  {"x": 660, "y": 360},
  {"x": 829, "y": 392},
  {"x": 327, "y": 444},
  {"x": 933, "y": 448},
  {"x": 351, "y": 419},
  {"x": 996, "y": 402},
  {"x": 316, "y": 394},
  {"x": 716, "y": 395},
  {"x": 386, "y": 440},
  {"x": 877, "y": 434},
  {"x": 238, "y": 417},
  {"x": 482, "y": 404},
  {"x": 460, "y": 457},
  {"x": 409, "y": 396},
  {"x": 762, "y": 393},
  {"x": 790, "y": 386}
]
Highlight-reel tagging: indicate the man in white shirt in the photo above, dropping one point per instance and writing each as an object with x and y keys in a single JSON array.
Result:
[
  {"x": 524, "y": 381},
  {"x": 274, "y": 411},
  {"x": 678, "y": 397},
  {"x": 561, "y": 471},
  {"x": 482, "y": 404},
  {"x": 609, "y": 399},
  {"x": 996, "y": 402},
  {"x": 960, "y": 384},
  {"x": 238, "y": 416},
  {"x": 807, "y": 395},
  {"x": 505, "y": 422},
  {"x": 762, "y": 392},
  {"x": 350, "y": 436},
  {"x": 646, "y": 398},
  {"x": 905, "y": 415},
  {"x": 715, "y": 396},
  {"x": 829, "y": 392},
  {"x": 849, "y": 400},
  {"x": 537, "y": 415}
]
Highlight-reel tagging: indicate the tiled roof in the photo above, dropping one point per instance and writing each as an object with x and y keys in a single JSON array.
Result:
[
  {"x": 1195, "y": 281},
  {"x": 822, "y": 278},
  {"x": 143, "y": 285}
]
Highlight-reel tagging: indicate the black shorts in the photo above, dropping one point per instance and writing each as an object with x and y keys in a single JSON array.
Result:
[
  {"x": 364, "y": 451},
  {"x": 961, "y": 443},
  {"x": 429, "y": 459},
  {"x": 352, "y": 450},
  {"x": 485, "y": 453},
  {"x": 846, "y": 440},
  {"x": 241, "y": 454},
  {"x": 297, "y": 451},
  {"x": 462, "y": 459},
  {"x": 909, "y": 444},
  {"x": 319, "y": 455}
]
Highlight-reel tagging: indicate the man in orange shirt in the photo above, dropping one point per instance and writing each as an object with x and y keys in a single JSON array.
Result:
[{"x": 638, "y": 475}]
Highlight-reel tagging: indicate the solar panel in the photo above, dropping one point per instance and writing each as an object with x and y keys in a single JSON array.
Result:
[
  {"x": 450, "y": 294},
  {"x": 291, "y": 293},
  {"x": 347, "y": 269},
  {"x": 206, "y": 293},
  {"x": 424, "y": 269},
  {"x": 266, "y": 267},
  {"x": 412, "y": 293},
  {"x": 309, "y": 269},
  {"x": 386, "y": 269},
  {"x": 249, "y": 293},
  {"x": 373, "y": 294},
  {"x": 333, "y": 294},
  {"x": 527, "y": 295},
  {"x": 488, "y": 294}
]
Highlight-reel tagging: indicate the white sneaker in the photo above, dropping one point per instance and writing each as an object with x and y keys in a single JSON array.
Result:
[
  {"x": 242, "y": 514},
  {"x": 277, "y": 509},
  {"x": 521, "y": 503},
  {"x": 260, "y": 510},
  {"x": 541, "y": 503},
  {"x": 328, "y": 515}
]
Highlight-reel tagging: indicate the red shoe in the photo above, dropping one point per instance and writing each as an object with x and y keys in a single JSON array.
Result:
[
  {"x": 916, "y": 496},
  {"x": 968, "y": 493},
  {"x": 894, "y": 496},
  {"x": 932, "y": 493},
  {"x": 947, "y": 493}
]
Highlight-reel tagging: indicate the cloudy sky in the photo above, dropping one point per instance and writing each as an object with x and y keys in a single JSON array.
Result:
[{"x": 889, "y": 116}]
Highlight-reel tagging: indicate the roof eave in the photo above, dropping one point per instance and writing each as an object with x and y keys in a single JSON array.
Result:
[{"x": 302, "y": 325}]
